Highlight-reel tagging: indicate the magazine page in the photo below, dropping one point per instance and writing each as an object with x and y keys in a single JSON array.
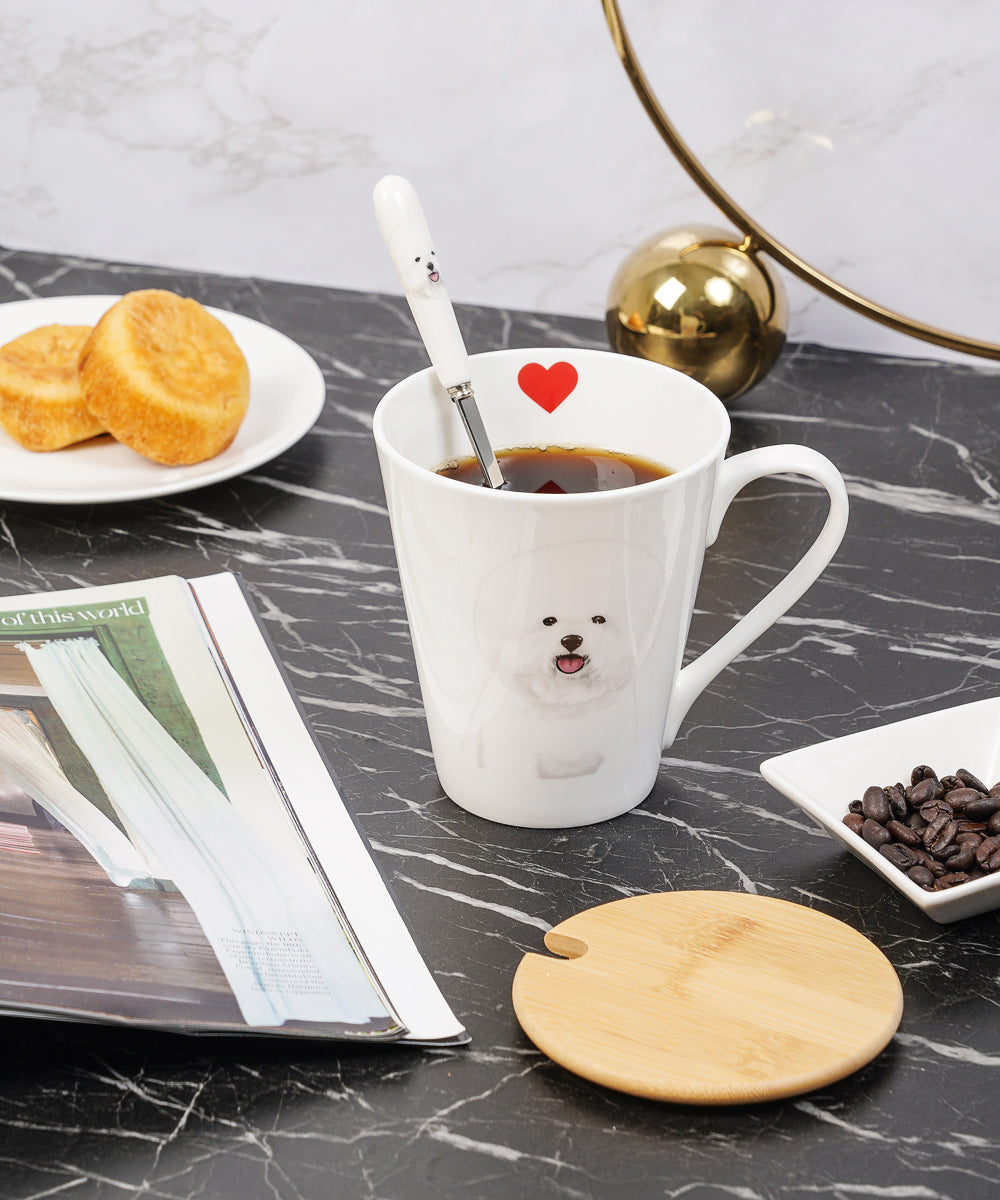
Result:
[
  {"x": 151, "y": 871},
  {"x": 340, "y": 853}
]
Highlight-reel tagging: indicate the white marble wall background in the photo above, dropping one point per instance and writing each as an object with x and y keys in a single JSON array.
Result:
[{"x": 245, "y": 136}]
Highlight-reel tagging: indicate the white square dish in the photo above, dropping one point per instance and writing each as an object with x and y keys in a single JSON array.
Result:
[{"x": 824, "y": 778}]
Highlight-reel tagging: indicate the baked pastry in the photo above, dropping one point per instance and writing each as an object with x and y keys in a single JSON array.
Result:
[
  {"x": 165, "y": 377},
  {"x": 41, "y": 405}
]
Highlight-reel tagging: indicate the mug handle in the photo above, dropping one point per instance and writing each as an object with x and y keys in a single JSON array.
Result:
[{"x": 734, "y": 474}]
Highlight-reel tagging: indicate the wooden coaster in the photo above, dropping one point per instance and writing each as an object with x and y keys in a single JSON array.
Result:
[{"x": 708, "y": 997}]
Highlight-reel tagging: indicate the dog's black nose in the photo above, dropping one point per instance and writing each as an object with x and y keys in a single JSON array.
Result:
[{"x": 571, "y": 641}]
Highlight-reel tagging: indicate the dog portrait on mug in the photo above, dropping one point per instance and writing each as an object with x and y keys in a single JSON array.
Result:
[{"x": 564, "y": 631}]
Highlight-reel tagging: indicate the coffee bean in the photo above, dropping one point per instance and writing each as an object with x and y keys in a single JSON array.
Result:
[
  {"x": 951, "y": 880},
  {"x": 854, "y": 806},
  {"x": 924, "y": 791},
  {"x": 988, "y": 853},
  {"x": 900, "y": 856},
  {"x": 971, "y": 781},
  {"x": 897, "y": 802},
  {"x": 978, "y": 807},
  {"x": 903, "y": 833},
  {"x": 939, "y": 835},
  {"x": 931, "y": 863},
  {"x": 922, "y": 772},
  {"x": 965, "y": 826},
  {"x": 950, "y": 782},
  {"x": 967, "y": 837},
  {"x": 875, "y": 805},
  {"x": 875, "y": 834},
  {"x": 920, "y": 875},
  {"x": 993, "y": 824},
  {"x": 933, "y": 810},
  {"x": 854, "y": 822},
  {"x": 959, "y": 797},
  {"x": 963, "y": 858}
]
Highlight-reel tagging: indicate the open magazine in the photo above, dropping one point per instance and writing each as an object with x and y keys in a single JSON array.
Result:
[{"x": 174, "y": 851}]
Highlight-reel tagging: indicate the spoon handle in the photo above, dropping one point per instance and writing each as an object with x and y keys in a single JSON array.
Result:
[{"x": 404, "y": 228}]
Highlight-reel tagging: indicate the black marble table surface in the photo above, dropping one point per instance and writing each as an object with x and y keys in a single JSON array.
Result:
[{"x": 904, "y": 621}]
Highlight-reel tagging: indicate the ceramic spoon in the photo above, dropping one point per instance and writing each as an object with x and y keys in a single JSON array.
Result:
[{"x": 401, "y": 219}]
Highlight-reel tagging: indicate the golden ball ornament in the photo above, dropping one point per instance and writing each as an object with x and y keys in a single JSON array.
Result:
[{"x": 699, "y": 299}]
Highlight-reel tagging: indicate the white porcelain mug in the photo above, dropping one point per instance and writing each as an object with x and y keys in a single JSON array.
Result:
[{"x": 493, "y": 581}]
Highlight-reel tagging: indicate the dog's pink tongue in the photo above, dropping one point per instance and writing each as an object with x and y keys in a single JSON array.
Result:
[{"x": 569, "y": 663}]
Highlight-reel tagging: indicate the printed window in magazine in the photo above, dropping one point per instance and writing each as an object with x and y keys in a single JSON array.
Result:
[{"x": 152, "y": 872}]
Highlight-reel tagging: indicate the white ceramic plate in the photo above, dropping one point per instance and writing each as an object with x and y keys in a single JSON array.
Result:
[
  {"x": 286, "y": 396},
  {"x": 823, "y": 779}
]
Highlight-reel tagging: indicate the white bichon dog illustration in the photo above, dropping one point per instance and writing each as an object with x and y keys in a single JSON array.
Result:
[
  {"x": 423, "y": 273},
  {"x": 563, "y": 630},
  {"x": 570, "y": 658}
]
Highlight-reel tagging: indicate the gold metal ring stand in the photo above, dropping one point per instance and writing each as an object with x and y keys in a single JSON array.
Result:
[{"x": 755, "y": 241}]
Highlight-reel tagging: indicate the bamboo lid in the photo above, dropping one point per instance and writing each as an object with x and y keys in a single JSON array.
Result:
[{"x": 708, "y": 997}]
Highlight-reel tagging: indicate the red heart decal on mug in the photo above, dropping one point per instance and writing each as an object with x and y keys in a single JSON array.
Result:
[{"x": 547, "y": 386}]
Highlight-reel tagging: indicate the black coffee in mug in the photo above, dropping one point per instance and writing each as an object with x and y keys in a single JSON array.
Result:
[{"x": 561, "y": 469}]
